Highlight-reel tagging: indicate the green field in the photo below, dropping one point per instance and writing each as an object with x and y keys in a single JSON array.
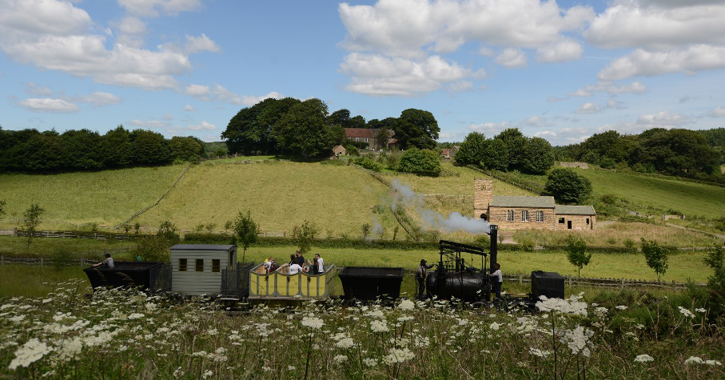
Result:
[
  {"x": 76, "y": 200},
  {"x": 658, "y": 193}
]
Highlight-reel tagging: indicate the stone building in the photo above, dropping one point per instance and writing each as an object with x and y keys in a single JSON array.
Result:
[
  {"x": 369, "y": 136},
  {"x": 522, "y": 212}
]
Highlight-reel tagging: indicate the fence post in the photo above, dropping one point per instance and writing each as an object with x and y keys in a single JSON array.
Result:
[
  {"x": 521, "y": 279},
  {"x": 569, "y": 280},
  {"x": 622, "y": 283},
  {"x": 41, "y": 261}
]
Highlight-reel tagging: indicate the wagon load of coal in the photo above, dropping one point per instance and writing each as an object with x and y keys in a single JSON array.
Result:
[{"x": 371, "y": 283}]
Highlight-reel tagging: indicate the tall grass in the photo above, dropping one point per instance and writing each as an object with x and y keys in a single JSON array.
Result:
[{"x": 33, "y": 281}]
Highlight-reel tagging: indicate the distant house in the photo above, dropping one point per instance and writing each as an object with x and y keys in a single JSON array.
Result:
[
  {"x": 522, "y": 212},
  {"x": 339, "y": 150},
  {"x": 450, "y": 154},
  {"x": 369, "y": 136}
]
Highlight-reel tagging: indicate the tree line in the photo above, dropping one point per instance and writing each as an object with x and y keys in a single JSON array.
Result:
[
  {"x": 677, "y": 152},
  {"x": 507, "y": 151},
  {"x": 306, "y": 128},
  {"x": 30, "y": 151}
]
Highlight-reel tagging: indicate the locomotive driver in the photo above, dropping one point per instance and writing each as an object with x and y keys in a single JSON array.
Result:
[{"x": 420, "y": 276}]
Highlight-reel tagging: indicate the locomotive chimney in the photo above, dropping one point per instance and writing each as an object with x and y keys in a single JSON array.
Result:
[{"x": 494, "y": 246}]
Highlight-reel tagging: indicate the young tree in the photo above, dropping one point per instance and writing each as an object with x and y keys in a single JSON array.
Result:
[
  {"x": 304, "y": 235},
  {"x": 656, "y": 257},
  {"x": 576, "y": 252},
  {"x": 472, "y": 150},
  {"x": 426, "y": 162},
  {"x": 567, "y": 186},
  {"x": 245, "y": 231},
  {"x": 2, "y": 207},
  {"x": 539, "y": 156},
  {"x": 31, "y": 220},
  {"x": 365, "y": 230},
  {"x": 716, "y": 282}
]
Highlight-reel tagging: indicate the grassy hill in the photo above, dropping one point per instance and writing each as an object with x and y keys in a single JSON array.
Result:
[{"x": 76, "y": 200}]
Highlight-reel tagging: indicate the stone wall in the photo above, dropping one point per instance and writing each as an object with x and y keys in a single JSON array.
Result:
[
  {"x": 482, "y": 196},
  {"x": 580, "y": 165},
  {"x": 578, "y": 222},
  {"x": 498, "y": 215}
]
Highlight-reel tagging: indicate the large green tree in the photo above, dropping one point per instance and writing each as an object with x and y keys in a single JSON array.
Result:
[
  {"x": 116, "y": 147},
  {"x": 567, "y": 186},
  {"x": 538, "y": 156},
  {"x": 416, "y": 128},
  {"x": 472, "y": 150},
  {"x": 425, "y": 162},
  {"x": 515, "y": 145},
  {"x": 250, "y": 130},
  {"x": 149, "y": 148},
  {"x": 304, "y": 130}
]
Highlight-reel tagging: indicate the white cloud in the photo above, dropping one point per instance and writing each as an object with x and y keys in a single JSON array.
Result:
[
  {"x": 512, "y": 58},
  {"x": 381, "y": 76},
  {"x": 562, "y": 51},
  {"x": 489, "y": 129},
  {"x": 197, "y": 90},
  {"x": 545, "y": 134},
  {"x": 99, "y": 99},
  {"x": 645, "y": 63},
  {"x": 627, "y": 25},
  {"x": 149, "y": 123},
  {"x": 588, "y": 108},
  {"x": 663, "y": 118},
  {"x": 536, "y": 121},
  {"x": 461, "y": 86},
  {"x": 718, "y": 112},
  {"x": 203, "y": 126},
  {"x": 153, "y": 8},
  {"x": 406, "y": 28},
  {"x": 34, "y": 89},
  {"x": 611, "y": 88},
  {"x": 200, "y": 44},
  {"x": 42, "y": 17},
  {"x": 49, "y": 105},
  {"x": 131, "y": 32},
  {"x": 189, "y": 108}
]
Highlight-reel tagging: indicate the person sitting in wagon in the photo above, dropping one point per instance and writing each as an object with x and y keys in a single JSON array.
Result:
[{"x": 107, "y": 262}]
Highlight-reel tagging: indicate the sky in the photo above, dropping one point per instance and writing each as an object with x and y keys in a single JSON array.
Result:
[{"x": 559, "y": 70}]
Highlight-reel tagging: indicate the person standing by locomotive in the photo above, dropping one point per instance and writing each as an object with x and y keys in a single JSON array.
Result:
[
  {"x": 420, "y": 276},
  {"x": 497, "y": 278}
]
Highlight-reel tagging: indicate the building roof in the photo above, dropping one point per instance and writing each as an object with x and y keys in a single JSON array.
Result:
[
  {"x": 522, "y": 201},
  {"x": 358, "y": 132},
  {"x": 202, "y": 247},
  {"x": 574, "y": 210}
]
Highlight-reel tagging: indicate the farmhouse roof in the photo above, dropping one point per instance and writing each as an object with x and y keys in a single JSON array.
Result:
[
  {"x": 202, "y": 247},
  {"x": 574, "y": 210},
  {"x": 522, "y": 201},
  {"x": 358, "y": 132}
]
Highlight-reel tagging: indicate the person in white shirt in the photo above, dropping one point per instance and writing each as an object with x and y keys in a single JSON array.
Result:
[
  {"x": 320, "y": 266},
  {"x": 497, "y": 277},
  {"x": 107, "y": 262}
]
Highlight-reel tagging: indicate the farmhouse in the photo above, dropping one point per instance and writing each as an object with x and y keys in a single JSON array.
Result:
[
  {"x": 196, "y": 269},
  {"x": 521, "y": 212},
  {"x": 369, "y": 136}
]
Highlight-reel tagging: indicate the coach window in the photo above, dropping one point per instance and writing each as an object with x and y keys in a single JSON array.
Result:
[
  {"x": 182, "y": 265},
  {"x": 199, "y": 265},
  {"x": 216, "y": 265}
]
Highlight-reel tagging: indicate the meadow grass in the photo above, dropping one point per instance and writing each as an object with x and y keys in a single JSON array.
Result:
[
  {"x": 33, "y": 281},
  {"x": 127, "y": 334},
  {"x": 659, "y": 193},
  {"x": 76, "y": 200},
  {"x": 47, "y": 247},
  {"x": 615, "y": 234}
]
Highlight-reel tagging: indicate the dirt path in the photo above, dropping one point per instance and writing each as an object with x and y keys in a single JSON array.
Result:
[{"x": 719, "y": 236}]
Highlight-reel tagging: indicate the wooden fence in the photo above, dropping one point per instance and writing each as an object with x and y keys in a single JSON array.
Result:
[
  {"x": 605, "y": 282},
  {"x": 43, "y": 261}
]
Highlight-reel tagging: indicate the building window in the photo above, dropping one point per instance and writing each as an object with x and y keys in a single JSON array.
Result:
[
  {"x": 510, "y": 215},
  {"x": 539, "y": 216},
  {"x": 216, "y": 265},
  {"x": 525, "y": 216},
  {"x": 182, "y": 265},
  {"x": 199, "y": 265},
  {"x": 561, "y": 220}
]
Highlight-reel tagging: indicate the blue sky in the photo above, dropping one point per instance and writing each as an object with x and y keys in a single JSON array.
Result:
[{"x": 559, "y": 70}]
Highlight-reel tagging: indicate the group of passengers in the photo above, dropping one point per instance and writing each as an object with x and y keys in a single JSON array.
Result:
[{"x": 297, "y": 264}]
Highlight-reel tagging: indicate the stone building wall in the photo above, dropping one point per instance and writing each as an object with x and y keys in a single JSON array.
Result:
[
  {"x": 499, "y": 216},
  {"x": 482, "y": 196},
  {"x": 578, "y": 222}
]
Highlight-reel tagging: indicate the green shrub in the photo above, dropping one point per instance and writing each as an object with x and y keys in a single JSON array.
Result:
[
  {"x": 423, "y": 162},
  {"x": 369, "y": 164}
]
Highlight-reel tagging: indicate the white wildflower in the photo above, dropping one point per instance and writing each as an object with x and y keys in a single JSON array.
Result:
[
  {"x": 338, "y": 359},
  {"x": 643, "y": 358},
  {"x": 207, "y": 374},
  {"x": 379, "y": 326},
  {"x": 291, "y": 368},
  {"x": 694, "y": 359},
  {"x": 370, "y": 362},
  {"x": 713, "y": 362},
  {"x": 701, "y": 310},
  {"x": 539, "y": 353},
  {"x": 136, "y": 316},
  {"x": 686, "y": 313},
  {"x": 179, "y": 372},
  {"x": 32, "y": 351},
  {"x": 405, "y": 318},
  {"x": 495, "y": 326},
  {"x": 345, "y": 343},
  {"x": 621, "y": 307},
  {"x": 312, "y": 322},
  {"x": 398, "y": 355},
  {"x": 406, "y": 305}
]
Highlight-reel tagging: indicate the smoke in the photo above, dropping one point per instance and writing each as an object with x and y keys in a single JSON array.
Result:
[{"x": 433, "y": 219}]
